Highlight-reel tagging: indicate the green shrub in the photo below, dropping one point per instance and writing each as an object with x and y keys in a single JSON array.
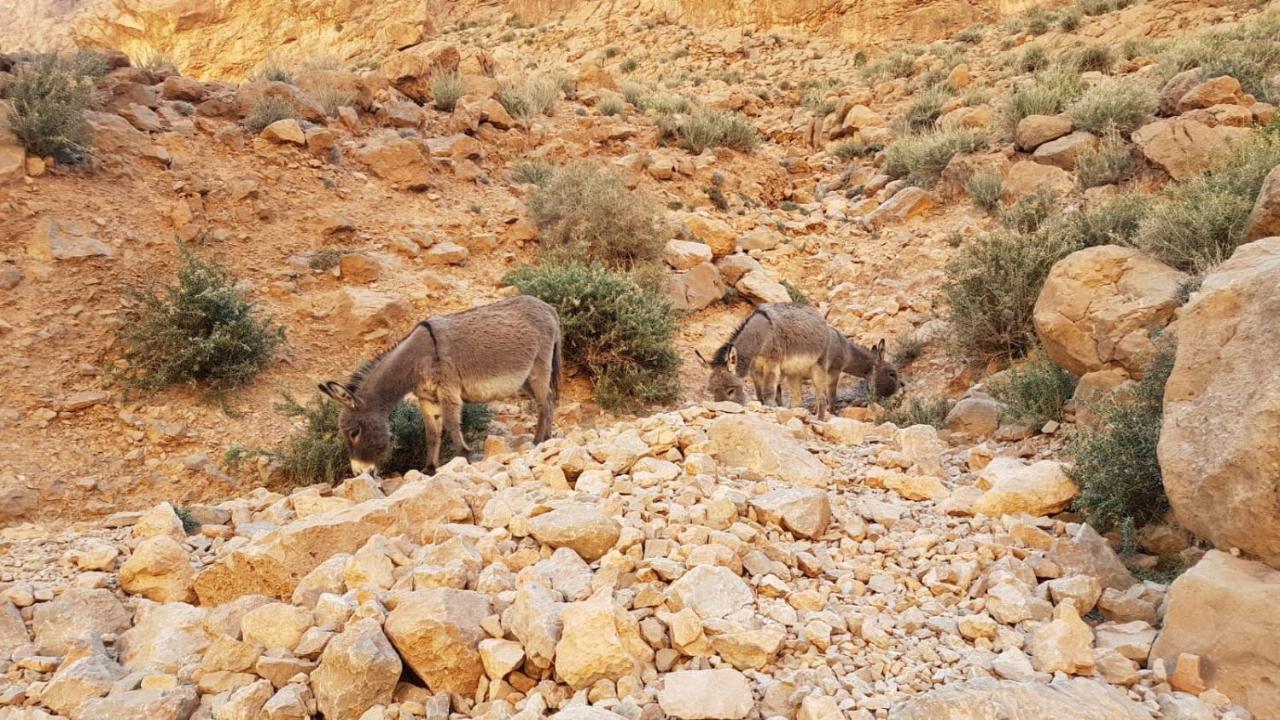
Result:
[
  {"x": 715, "y": 193},
  {"x": 1034, "y": 59},
  {"x": 612, "y": 51},
  {"x": 331, "y": 98},
  {"x": 612, "y": 105},
  {"x": 664, "y": 104},
  {"x": 906, "y": 411},
  {"x": 409, "y": 435},
  {"x": 1095, "y": 7},
  {"x": 272, "y": 70},
  {"x": 851, "y": 149},
  {"x": 897, "y": 64},
  {"x": 585, "y": 213},
  {"x": 796, "y": 294},
  {"x": 446, "y": 88},
  {"x": 971, "y": 35},
  {"x": 1027, "y": 214},
  {"x": 923, "y": 157},
  {"x": 715, "y": 128},
  {"x": 189, "y": 524},
  {"x": 992, "y": 287},
  {"x": 1035, "y": 391},
  {"x": 617, "y": 332},
  {"x": 629, "y": 65},
  {"x": 1114, "y": 105},
  {"x": 924, "y": 111},
  {"x": 267, "y": 110},
  {"x": 1116, "y": 465},
  {"x": 199, "y": 329},
  {"x": 1247, "y": 52},
  {"x": 1114, "y": 222},
  {"x": 1106, "y": 164},
  {"x": 536, "y": 172},
  {"x": 1095, "y": 57},
  {"x": 48, "y": 103},
  {"x": 324, "y": 259},
  {"x": 1049, "y": 93},
  {"x": 1069, "y": 22},
  {"x": 985, "y": 187},
  {"x": 908, "y": 348},
  {"x": 536, "y": 96},
  {"x": 634, "y": 93},
  {"x": 1199, "y": 223}
]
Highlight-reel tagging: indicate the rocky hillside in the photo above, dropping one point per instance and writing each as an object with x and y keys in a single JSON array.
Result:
[{"x": 1061, "y": 219}]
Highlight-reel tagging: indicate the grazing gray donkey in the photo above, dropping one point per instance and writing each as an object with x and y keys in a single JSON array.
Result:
[
  {"x": 778, "y": 340},
  {"x": 485, "y": 353},
  {"x": 846, "y": 356}
]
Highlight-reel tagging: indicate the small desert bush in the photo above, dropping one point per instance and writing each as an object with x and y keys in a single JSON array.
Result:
[
  {"x": 612, "y": 105},
  {"x": 617, "y": 332},
  {"x": 332, "y": 98},
  {"x": 851, "y": 149},
  {"x": 585, "y": 213},
  {"x": 1034, "y": 59},
  {"x": 992, "y": 287},
  {"x": 1114, "y": 222},
  {"x": 48, "y": 103},
  {"x": 272, "y": 70},
  {"x": 1095, "y": 57},
  {"x": 898, "y": 64},
  {"x": 665, "y": 104},
  {"x": 796, "y": 294},
  {"x": 908, "y": 348},
  {"x": 985, "y": 187},
  {"x": 924, "y": 111},
  {"x": 1106, "y": 164},
  {"x": 324, "y": 259},
  {"x": 629, "y": 65},
  {"x": 1114, "y": 105},
  {"x": 198, "y": 329},
  {"x": 1199, "y": 223},
  {"x": 536, "y": 172},
  {"x": 536, "y": 96},
  {"x": 1116, "y": 465},
  {"x": 1029, "y": 212},
  {"x": 446, "y": 88},
  {"x": 1095, "y": 7},
  {"x": 1049, "y": 93},
  {"x": 708, "y": 128},
  {"x": 1247, "y": 52},
  {"x": 922, "y": 157},
  {"x": 634, "y": 93},
  {"x": 1069, "y": 22},
  {"x": 1035, "y": 391},
  {"x": 971, "y": 35},
  {"x": 906, "y": 411},
  {"x": 267, "y": 110},
  {"x": 316, "y": 452}
]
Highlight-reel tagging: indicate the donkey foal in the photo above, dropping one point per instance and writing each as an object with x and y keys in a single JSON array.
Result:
[{"x": 477, "y": 355}]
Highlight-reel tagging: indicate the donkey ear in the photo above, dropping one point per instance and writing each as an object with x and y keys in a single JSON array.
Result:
[
  {"x": 339, "y": 393},
  {"x": 731, "y": 359},
  {"x": 701, "y": 358},
  {"x": 879, "y": 347}
]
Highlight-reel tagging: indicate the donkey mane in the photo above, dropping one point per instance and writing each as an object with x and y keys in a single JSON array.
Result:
[
  {"x": 721, "y": 358},
  {"x": 366, "y": 368}
]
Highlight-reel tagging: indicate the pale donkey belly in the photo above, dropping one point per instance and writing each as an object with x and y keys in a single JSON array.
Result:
[{"x": 494, "y": 388}]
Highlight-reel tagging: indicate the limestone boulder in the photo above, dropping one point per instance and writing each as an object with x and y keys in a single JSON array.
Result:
[
  {"x": 684, "y": 254},
  {"x": 62, "y": 621},
  {"x": 53, "y": 239},
  {"x": 766, "y": 450},
  {"x": 1221, "y": 90},
  {"x": 1036, "y": 130},
  {"x": 148, "y": 704},
  {"x": 908, "y": 203},
  {"x": 697, "y": 288},
  {"x": 164, "y": 637},
  {"x": 438, "y": 634},
  {"x": 1027, "y": 177},
  {"x": 1012, "y": 486},
  {"x": 1219, "y": 445},
  {"x": 13, "y": 160},
  {"x": 716, "y": 234},
  {"x": 13, "y": 631},
  {"x": 1064, "y": 151},
  {"x": 711, "y": 591},
  {"x": 986, "y": 698},
  {"x": 600, "y": 641},
  {"x": 1099, "y": 308},
  {"x": 721, "y": 694},
  {"x": 1224, "y": 610},
  {"x": 159, "y": 570},
  {"x": 804, "y": 511},
  {"x": 286, "y": 131},
  {"x": 1177, "y": 86},
  {"x": 1183, "y": 147},
  {"x": 1264, "y": 221},
  {"x": 581, "y": 527},
  {"x": 976, "y": 416},
  {"x": 397, "y": 160},
  {"x": 358, "y": 670},
  {"x": 758, "y": 287}
]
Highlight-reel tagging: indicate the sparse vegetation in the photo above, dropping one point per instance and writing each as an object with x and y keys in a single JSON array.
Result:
[
  {"x": 1034, "y": 59},
  {"x": 536, "y": 96},
  {"x": 1199, "y": 223},
  {"x": 612, "y": 105},
  {"x": 1106, "y": 164},
  {"x": 922, "y": 157},
  {"x": 715, "y": 193},
  {"x": 1035, "y": 391},
  {"x": 446, "y": 88},
  {"x": 715, "y": 128},
  {"x": 534, "y": 172},
  {"x": 199, "y": 329},
  {"x": 1114, "y": 106},
  {"x": 851, "y": 149},
  {"x": 1116, "y": 465},
  {"x": 1029, "y": 212},
  {"x": 905, "y": 411},
  {"x": 1247, "y": 52},
  {"x": 1095, "y": 57},
  {"x": 664, "y": 104},
  {"x": 924, "y": 111},
  {"x": 585, "y": 213},
  {"x": 629, "y": 65},
  {"x": 634, "y": 93},
  {"x": 189, "y": 524},
  {"x": 617, "y": 332},
  {"x": 1049, "y": 93},
  {"x": 1070, "y": 22},
  {"x": 267, "y": 110},
  {"x": 796, "y": 294},
  {"x": 324, "y": 259},
  {"x": 48, "y": 103},
  {"x": 985, "y": 187},
  {"x": 272, "y": 70},
  {"x": 897, "y": 64},
  {"x": 331, "y": 98},
  {"x": 908, "y": 348},
  {"x": 971, "y": 35}
]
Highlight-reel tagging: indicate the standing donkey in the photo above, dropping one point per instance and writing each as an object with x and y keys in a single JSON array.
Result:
[
  {"x": 485, "y": 353},
  {"x": 846, "y": 356}
]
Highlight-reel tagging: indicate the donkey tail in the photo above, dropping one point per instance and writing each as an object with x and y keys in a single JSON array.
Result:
[{"x": 556, "y": 368}]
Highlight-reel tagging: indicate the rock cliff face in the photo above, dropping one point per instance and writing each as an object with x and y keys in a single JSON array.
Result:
[{"x": 227, "y": 39}]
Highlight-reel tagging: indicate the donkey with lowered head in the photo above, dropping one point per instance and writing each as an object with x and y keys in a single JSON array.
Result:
[
  {"x": 477, "y": 355},
  {"x": 846, "y": 356}
]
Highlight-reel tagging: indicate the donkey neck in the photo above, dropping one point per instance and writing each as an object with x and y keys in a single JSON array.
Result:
[
  {"x": 858, "y": 360},
  {"x": 399, "y": 371}
]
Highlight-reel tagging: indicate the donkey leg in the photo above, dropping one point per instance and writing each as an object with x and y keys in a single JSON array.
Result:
[
  {"x": 795, "y": 391},
  {"x": 833, "y": 389},
  {"x": 541, "y": 395},
  {"x": 452, "y": 408},
  {"x": 431, "y": 420},
  {"x": 819, "y": 377}
]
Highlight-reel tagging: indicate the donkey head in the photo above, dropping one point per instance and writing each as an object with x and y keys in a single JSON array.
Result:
[
  {"x": 723, "y": 384},
  {"x": 884, "y": 376},
  {"x": 366, "y": 432}
]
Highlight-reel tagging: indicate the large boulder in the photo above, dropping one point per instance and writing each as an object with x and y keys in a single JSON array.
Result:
[
  {"x": 765, "y": 449},
  {"x": 1220, "y": 444},
  {"x": 581, "y": 527},
  {"x": 1100, "y": 306},
  {"x": 1027, "y": 177},
  {"x": 359, "y": 669},
  {"x": 1224, "y": 610},
  {"x": 1264, "y": 221},
  {"x": 1064, "y": 151},
  {"x": 1182, "y": 146},
  {"x": 1075, "y": 699},
  {"x": 438, "y": 634},
  {"x": 61, "y": 621},
  {"x": 600, "y": 641},
  {"x": 722, "y": 694},
  {"x": 1036, "y": 130},
  {"x": 159, "y": 570},
  {"x": 1012, "y": 487},
  {"x": 697, "y": 288},
  {"x": 164, "y": 637},
  {"x": 397, "y": 160}
]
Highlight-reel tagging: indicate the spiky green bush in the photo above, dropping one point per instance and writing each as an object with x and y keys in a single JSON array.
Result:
[
  {"x": 1114, "y": 106},
  {"x": 923, "y": 157},
  {"x": 266, "y": 110},
  {"x": 715, "y": 128},
  {"x": 1035, "y": 391},
  {"x": 199, "y": 329},
  {"x": 617, "y": 332},
  {"x": 985, "y": 188},
  {"x": 447, "y": 88},
  {"x": 1048, "y": 93},
  {"x": 1105, "y": 164},
  {"x": 49, "y": 99}
]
